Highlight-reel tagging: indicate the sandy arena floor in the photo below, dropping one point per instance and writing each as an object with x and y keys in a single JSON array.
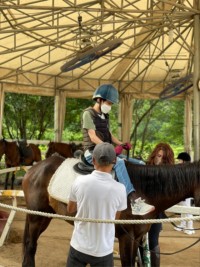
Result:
[{"x": 53, "y": 245}]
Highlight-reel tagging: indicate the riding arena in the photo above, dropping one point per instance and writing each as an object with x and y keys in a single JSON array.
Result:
[{"x": 176, "y": 247}]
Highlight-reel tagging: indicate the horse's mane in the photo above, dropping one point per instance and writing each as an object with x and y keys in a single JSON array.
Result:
[{"x": 163, "y": 180}]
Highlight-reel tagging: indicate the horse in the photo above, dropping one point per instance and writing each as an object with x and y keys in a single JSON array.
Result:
[
  {"x": 162, "y": 186},
  {"x": 65, "y": 150},
  {"x": 16, "y": 154}
]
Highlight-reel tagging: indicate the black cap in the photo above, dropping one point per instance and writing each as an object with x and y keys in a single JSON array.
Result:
[
  {"x": 104, "y": 154},
  {"x": 184, "y": 156}
]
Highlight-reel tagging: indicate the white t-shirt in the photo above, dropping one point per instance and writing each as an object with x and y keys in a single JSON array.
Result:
[{"x": 98, "y": 196}]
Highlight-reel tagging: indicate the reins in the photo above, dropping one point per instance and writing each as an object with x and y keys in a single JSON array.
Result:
[
  {"x": 172, "y": 223},
  {"x": 160, "y": 253},
  {"x": 127, "y": 152}
]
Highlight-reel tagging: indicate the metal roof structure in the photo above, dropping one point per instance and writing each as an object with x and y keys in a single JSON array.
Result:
[
  {"x": 161, "y": 43},
  {"x": 37, "y": 37}
]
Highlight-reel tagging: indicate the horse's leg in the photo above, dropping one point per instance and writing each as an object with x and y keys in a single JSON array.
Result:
[
  {"x": 197, "y": 196},
  {"x": 12, "y": 180},
  {"x": 6, "y": 181},
  {"x": 34, "y": 226},
  {"x": 128, "y": 250}
]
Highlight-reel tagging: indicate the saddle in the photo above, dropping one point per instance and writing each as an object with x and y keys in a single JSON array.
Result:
[
  {"x": 83, "y": 167},
  {"x": 24, "y": 149}
]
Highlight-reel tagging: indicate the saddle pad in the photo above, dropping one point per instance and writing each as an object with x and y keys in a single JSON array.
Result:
[{"x": 60, "y": 183}]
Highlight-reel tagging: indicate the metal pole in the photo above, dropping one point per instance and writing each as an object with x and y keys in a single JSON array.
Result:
[
  {"x": 56, "y": 117},
  {"x": 196, "y": 92},
  {"x": 120, "y": 120},
  {"x": 2, "y": 99},
  {"x": 188, "y": 125}
]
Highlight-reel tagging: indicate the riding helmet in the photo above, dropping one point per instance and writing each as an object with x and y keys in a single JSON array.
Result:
[
  {"x": 184, "y": 156},
  {"x": 107, "y": 92}
]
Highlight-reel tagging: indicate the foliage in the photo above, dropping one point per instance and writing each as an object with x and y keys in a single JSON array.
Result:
[
  {"x": 153, "y": 121},
  {"x": 114, "y": 125},
  {"x": 74, "y": 110},
  {"x": 163, "y": 123},
  {"x": 27, "y": 116}
]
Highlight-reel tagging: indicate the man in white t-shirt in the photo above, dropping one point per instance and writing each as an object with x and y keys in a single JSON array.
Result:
[{"x": 96, "y": 196}]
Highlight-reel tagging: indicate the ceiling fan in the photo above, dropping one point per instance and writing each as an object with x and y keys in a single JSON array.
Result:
[
  {"x": 88, "y": 51},
  {"x": 177, "y": 87}
]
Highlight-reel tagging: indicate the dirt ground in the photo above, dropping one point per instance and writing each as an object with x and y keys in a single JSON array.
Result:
[{"x": 53, "y": 244}]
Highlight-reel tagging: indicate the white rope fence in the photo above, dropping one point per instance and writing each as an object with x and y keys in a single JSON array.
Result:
[
  {"x": 13, "y": 194},
  {"x": 70, "y": 218}
]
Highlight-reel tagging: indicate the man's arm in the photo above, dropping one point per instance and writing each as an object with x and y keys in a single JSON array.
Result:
[
  {"x": 72, "y": 207},
  {"x": 115, "y": 140},
  {"x": 94, "y": 138}
]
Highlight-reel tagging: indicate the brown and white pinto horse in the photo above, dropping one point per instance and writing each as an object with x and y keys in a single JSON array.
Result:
[{"x": 162, "y": 186}]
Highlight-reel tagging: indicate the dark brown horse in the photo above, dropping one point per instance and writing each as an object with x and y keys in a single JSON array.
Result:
[
  {"x": 16, "y": 154},
  {"x": 63, "y": 149},
  {"x": 162, "y": 186}
]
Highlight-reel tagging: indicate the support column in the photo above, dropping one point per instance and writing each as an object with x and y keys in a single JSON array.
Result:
[
  {"x": 2, "y": 98},
  {"x": 188, "y": 124},
  {"x": 59, "y": 115},
  {"x": 126, "y": 115},
  {"x": 119, "y": 121},
  {"x": 196, "y": 77}
]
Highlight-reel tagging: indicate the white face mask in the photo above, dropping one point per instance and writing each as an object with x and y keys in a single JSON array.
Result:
[{"x": 105, "y": 108}]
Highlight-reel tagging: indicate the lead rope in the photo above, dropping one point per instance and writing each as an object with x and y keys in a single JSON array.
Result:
[
  {"x": 127, "y": 151},
  {"x": 146, "y": 251}
]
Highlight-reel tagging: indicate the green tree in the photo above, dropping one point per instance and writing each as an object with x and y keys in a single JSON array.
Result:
[
  {"x": 27, "y": 116},
  {"x": 74, "y": 110},
  {"x": 156, "y": 121},
  {"x": 153, "y": 121}
]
